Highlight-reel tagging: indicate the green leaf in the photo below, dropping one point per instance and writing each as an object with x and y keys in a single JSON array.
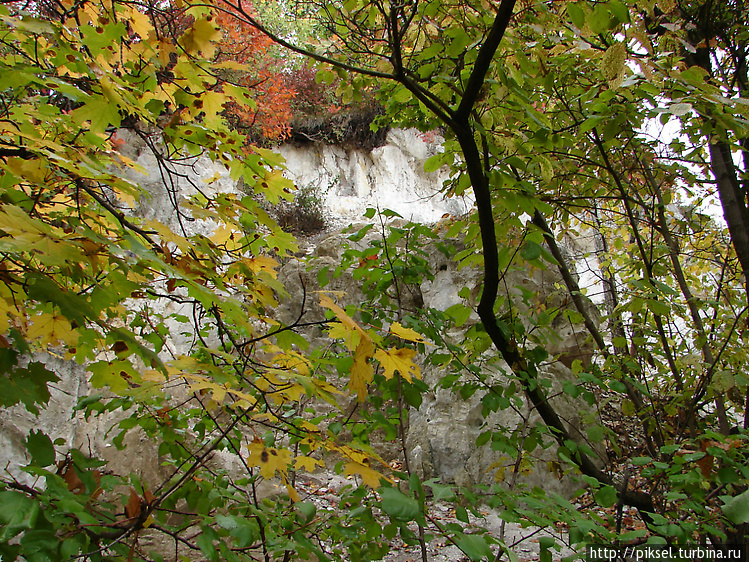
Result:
[
  {"x": 459, "y": 43},
  {"x": 101, "y": 112},
  {"x": 728, "y": 475},
  {"x": 244, "y": 531},
  {"x": 40, "y": 448},
  {"x": 620, "y": 11},
  {"x": 590, "y": 123},
  {"x": 531, "y": 251},
  {"x": 599, "y": 19},
  {"x": 40, "y": 545},
  {"x": 73, "y": 306},
  {"x": 307, "y": 511},
  {"x": 18, "y": 514},
  {"x": 205, "y": 543},
  {"x": 27, "y": 386},
  {"x": 605, "y": 496},
  {"x": 100, "y": 37},
  {"x": 576, "y": 15},
  {"x": 475, "y": 547},
  {"x": 737, "y": 509},
  {"x": 436, "y": 161},
  {"x": 459, "y": 313},
  {"x": 441, "y": 491},
  {"x": 389, "y": 213},
  {"x": 596, "y": 433},
  {"x": 399, "y": 506},
  {"x": 113, "y": 374},
  {"x": 546, "y": 544}
]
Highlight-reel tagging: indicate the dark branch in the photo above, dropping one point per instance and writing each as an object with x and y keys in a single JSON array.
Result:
[
  {"x": 18, "y": 152},
  {"x": 484, "y": 59}
]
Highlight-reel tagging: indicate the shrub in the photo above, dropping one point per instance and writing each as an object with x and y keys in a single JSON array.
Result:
[{"x": 305, "y": 215}]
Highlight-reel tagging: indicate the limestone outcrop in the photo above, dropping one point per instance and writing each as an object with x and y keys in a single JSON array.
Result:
[{"x": 442, "y": 433}]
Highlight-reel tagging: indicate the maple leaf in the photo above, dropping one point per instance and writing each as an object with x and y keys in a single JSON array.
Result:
[
  {"x": 48, "y": 329},
  {"x": 307, "y": 463},
  {"x": 275, "y": 186},
  {"x": 4, "y": 316},
  {"x": 400, "y": 360},
  {"x": 268, "y": 459},
  {"x": 15, "y": 222},
  {"x": 343, "y": 318},
  {"x": 218, "y": 392},
  {"x": 211, "y": 104},
  {"x": 201, "y": 38},
  {"x": 114, "y": 374},
  {"x": 262, "y": 263},
  {"x": 369, "y": 475},
  {"x": 361, "y": 371},
  {"x": 407, "y": 333},
  {"x": 140, "y": 23}
]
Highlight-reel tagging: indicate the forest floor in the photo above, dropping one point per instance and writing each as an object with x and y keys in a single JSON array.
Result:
[{"x": 323, "y": 490}]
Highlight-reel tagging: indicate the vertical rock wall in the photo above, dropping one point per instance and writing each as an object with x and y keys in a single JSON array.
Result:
[{"x": 389, "y": 177}]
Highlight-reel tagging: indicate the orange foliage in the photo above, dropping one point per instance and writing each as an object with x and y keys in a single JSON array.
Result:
[{"x": 263, "y": 73}]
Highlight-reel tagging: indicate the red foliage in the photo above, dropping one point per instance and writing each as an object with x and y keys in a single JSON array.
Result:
[
  {"x": 312, "y": 98},
  {"x": 263, "y": 73}
]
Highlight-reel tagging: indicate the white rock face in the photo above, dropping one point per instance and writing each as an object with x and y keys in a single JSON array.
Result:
[
  {"x": 57, "y": 421},
  {"x": 442, "y": 434},
  {"x": 389, "y": 177}
]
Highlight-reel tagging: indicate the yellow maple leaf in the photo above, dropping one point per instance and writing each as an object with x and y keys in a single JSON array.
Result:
[
  {"x": 307, "y": 463},
  {"x": 226, "y": 236},
  {"x": 212, "y": 104},
  {"x": 15, "y": 221},
  {"x": 407, "y": 333},
  {"x": 268, "y": 459},
  {"x": 4, "y": 316},
  {"x": 218, "y": 392},
  {"x": 400, "y": 360},
  {"x": 361, "y": 371},
  {"x": 370, "y": 476},
  {"x": 292, "y": 361},
  {"x": 287, "y": 393},
  {"x": 140, "y": 23},
  {"x": 167, "y": 235},
  {"x": 201, "y": 37},
  {"x": 262, "y": 263},
  {"x": 49, "y": 329}
]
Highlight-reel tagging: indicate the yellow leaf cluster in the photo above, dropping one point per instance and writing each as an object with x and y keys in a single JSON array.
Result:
[{"x": 361, "y": 370}]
